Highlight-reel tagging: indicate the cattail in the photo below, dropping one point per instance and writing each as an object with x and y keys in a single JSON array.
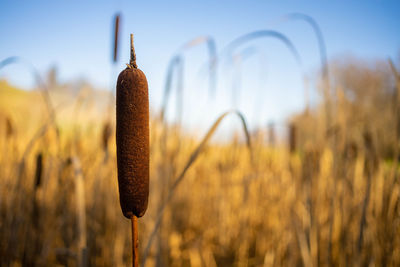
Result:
[
  {"x": 132, "y": 138},
  {"x": 105, "y": 136},
  {"x": 39, "y": 170},
  {"x": 350, "y": 151},
  {"x": 292, "y": 137},
  {"x": 36, "y": 207},
  {"x": 116, "y": 35},
  {"x": 9, "y": 127}
]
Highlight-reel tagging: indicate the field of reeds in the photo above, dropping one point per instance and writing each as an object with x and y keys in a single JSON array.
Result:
[{"x": 325, "y": 191}]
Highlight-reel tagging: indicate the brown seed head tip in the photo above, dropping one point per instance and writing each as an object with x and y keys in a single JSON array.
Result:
[{"x": 132, "y": 138}]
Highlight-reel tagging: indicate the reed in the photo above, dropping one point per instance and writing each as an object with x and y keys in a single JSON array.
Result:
[
  {"x": 105, "y": 138},
  {"x": 39, "y": 170},
  {"x": 132, "y": 136},
  {"x": 81, "y": 212},
  {"x": 292, "y": 137},
  {"x": 116, "y": 37}
]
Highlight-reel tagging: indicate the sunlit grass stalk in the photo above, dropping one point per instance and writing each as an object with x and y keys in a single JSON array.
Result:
[
  {"x": 81, "y": 212},
  {"x": 397, "y": 112},
  {"x": 189, "y": 163}
]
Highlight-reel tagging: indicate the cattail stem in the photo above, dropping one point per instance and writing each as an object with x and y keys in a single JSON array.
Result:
[
  {"x": 132, "y": 62},
  {"x": 135, "y": 242}
]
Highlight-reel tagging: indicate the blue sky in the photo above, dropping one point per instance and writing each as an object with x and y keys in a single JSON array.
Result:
[{"x": 76, "y": 36}]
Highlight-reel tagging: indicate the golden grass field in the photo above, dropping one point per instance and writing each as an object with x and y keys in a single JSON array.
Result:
[{"x": 333, "y": 199}]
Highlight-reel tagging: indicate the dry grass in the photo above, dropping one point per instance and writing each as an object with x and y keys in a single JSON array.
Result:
[{"x": 333, "y": 198}]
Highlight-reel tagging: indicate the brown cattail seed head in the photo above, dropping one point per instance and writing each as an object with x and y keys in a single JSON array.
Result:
[
  {"x": 105, "y": 135},
  {"x": 132, "y": 137},
  {"x": 292, "y": 137},
  {"x": 9, "y": 128},
  {"x": 39, "y": 170}
]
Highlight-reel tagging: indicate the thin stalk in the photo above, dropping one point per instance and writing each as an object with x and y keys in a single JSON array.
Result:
[
  {"x": 135, "y": 241},
  {"x": 322, "y": 53},
  {"x": 212, "y": 57},
  {"x": 241, "y": 40},
  {"x": 320, "y": 38},
  {"x": 397, "y": 112},
  {"x": 81, "y": 212}
]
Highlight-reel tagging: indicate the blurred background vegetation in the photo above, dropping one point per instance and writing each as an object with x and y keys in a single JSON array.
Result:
[{"x": 319, "y": 187}]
